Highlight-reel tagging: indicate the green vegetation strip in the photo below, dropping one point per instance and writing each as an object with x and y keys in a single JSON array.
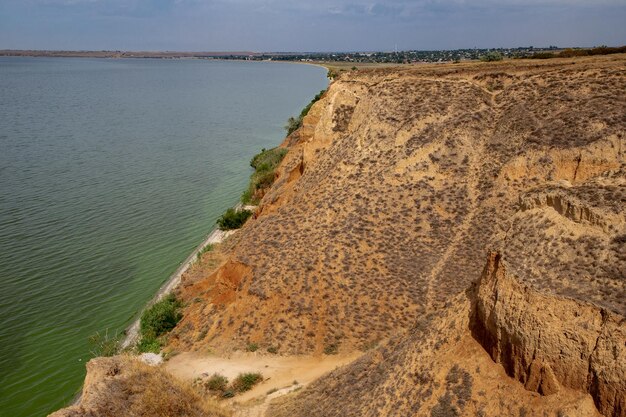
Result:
[
  {"x": 570, "y": 52},
  {"x": 233, "y": 219},
  {"x": 264, "y": 164},
  {"x": 156, "y": 321}
]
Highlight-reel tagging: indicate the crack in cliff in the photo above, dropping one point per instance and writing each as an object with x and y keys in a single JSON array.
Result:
[{"x": 580, "y": 157}]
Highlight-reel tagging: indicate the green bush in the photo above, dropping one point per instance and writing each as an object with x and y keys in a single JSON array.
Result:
[
  {"x": 252, "y": 347},
  {"x": 272, "y": 349},
  {"x": 149, "y": 344},
  {"x": 233, "y": 219},
  {"x": 245, "y": 382},
  {"x": 161, "y": 317},
  {"x": 217, "y": 383},
  {"x": 292, "y": 125},
  {"x": 571, "y": 52},
  {"x": 543, "y": 55},
  {"x": 264, "y": 164},
  {"x": 157, "y": 320}
]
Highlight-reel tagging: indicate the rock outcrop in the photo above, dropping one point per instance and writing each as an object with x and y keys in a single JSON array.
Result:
[
  {"x": 125, "y": 386},
  {"x": 546, "y": 342}
]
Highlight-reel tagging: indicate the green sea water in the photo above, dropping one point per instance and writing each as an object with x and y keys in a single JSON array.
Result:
[{"x": 111, "y": 172}]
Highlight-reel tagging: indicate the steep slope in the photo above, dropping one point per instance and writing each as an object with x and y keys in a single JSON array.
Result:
[
  {"x": 501, "y": 348},
  {"x": 400, "y": 181}
]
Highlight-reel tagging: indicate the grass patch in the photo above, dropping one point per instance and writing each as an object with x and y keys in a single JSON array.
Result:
[
  {"x": 264, "y": 164},
  {"x": 252, "y": 347},
  {"x": 207, "y": 248},
  {"x": 157, "y": 320},
  {"x": 149, "y": 344},
  {"x": 217, "y": 383},
  {"x": 233, "y": 219},
  {"x": 245, "y": 382},
  {"x": 103, "y": 344}
]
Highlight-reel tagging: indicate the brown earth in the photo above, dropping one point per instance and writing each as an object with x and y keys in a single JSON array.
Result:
[
  {"x": 125, "y": 386},
  {"x": 501, "y": 348}
]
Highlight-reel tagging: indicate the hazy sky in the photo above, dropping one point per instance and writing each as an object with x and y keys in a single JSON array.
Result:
[{"x": 314, "y": 25}]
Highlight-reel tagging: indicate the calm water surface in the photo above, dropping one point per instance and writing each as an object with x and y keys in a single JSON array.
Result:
[{"x": 111, "y": 172}]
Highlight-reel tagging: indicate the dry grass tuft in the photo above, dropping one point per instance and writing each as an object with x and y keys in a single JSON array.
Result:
[{"x": 125, "y": 386}]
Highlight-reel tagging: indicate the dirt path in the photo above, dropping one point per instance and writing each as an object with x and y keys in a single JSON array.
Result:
[{"x": 282, "y": 374}]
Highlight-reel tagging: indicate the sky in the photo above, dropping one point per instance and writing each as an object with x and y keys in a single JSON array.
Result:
[{"x": 313, "y": 25}]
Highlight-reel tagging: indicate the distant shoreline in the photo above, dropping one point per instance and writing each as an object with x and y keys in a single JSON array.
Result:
[
  {"x": 25, "y": 54},
  {"x": 122, "y": 54}
]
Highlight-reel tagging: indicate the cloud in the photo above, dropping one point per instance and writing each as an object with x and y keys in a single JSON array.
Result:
[{"x": 297, "y": 25}]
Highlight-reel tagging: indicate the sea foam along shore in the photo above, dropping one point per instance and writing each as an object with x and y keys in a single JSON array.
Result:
[{"x": 216, "y": 236}]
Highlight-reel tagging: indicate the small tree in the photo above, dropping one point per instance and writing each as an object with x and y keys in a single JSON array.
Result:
[
  {"x": 233, "y": 219},
  {"x": 292, "y": 125}
]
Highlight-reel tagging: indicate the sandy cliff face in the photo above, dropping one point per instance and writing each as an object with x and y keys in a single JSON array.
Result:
[
  {"x": 401, "y": 180},
  {"x": 546, "y": 342},
  {"x": 501, "y": 348}
]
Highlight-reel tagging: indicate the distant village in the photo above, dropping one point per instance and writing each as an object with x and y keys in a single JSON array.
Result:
[
  {"x": 399, "y": 57},
  {"x": 390, "y": 57}
]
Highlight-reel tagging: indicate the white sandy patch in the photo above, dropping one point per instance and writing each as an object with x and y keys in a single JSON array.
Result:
[{"x": 281, "y": 374}]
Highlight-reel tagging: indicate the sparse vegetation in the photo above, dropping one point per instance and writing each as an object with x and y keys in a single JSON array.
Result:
[
  {"x": 103, "y": 344},
  {"x": 245, "y": 382},
  {"x": 134, "y": 388},
  {"x": 217, "y": 384},
  {"x": 252, "y": 347},
  {"x": 331, "y": 349},
  {"x": 207, "y": 248},
  {"x": 233, "y": 219}
]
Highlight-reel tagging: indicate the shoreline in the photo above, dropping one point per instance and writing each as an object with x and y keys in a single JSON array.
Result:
[{"x": 214, "y": 237}]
